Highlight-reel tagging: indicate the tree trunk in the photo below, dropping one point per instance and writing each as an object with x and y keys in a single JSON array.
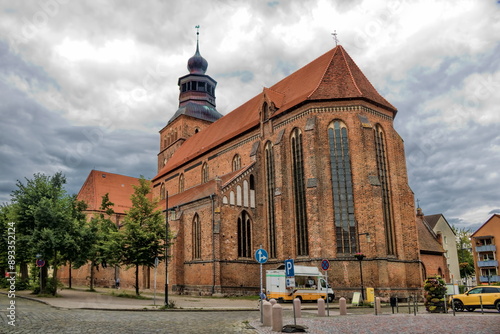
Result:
[
  {"x": 137, "y": 280},
  {"x": 54, "y": 281},
  {"x": 92, "y": 265},
  {"x": 43, "y": 277},
  {"x": 23, "y": 268},
  {"x": 69, "y": 279}
]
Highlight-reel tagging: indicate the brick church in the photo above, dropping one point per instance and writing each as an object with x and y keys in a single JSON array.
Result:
[{"x": 309, "y": 169}]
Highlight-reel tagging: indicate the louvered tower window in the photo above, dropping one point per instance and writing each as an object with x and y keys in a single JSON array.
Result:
[
  {"x": 244, "y": 235},
  {"x": 343, "y": 201},
  {"x": 181, "y": 183},
  {"x": 269, "y": 161},
  {"x": 299, "y": 193},
  {"x": 196, "y": 237},
  {"x": 383, "y": 175}
]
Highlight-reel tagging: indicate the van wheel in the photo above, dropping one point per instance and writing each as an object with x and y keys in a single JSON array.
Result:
[{"x": 331, "y": 298}]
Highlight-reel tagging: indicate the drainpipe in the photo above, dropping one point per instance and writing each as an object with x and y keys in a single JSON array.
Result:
[{"x": 213, "y": 243}]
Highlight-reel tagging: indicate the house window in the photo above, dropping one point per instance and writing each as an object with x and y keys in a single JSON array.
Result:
[
  {"x": 236, "y": 162},
  {"x": 181, "y": 183},
  {"x": 244, "y": 235},
  {"x": 196, "y": 237},
  {"x": 343, "y": 201},
  {"x": 271, "y": 223},
  {"x": 383, "y": 175},
  {"x": 204, "y": 173},
  {"x": 299, "y": 193}
]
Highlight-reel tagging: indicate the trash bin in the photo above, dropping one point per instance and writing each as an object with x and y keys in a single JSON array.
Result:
[{"x": 370, "y": 295}]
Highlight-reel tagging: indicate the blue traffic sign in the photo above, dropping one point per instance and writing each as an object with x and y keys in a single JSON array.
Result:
[
  {"x": 289, "y": 268},
  {"x": 325, "y": 264},
  {"x": 261, "y": 255}
]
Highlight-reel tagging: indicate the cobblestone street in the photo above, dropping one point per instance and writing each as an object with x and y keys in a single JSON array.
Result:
[{"x": 35, "y": 317}]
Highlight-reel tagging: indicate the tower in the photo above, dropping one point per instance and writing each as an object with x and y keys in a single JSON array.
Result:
[{"x": 196, "y": 107}]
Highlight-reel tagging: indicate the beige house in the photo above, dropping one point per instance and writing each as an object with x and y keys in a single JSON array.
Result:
[{"x": 444, "y": 231}]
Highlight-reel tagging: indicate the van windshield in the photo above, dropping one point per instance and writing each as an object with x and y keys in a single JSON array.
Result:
[{"x": 306, "y": 282}]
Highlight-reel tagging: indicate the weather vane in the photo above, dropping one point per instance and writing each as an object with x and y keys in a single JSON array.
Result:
[{"x": 334, "y": 34}]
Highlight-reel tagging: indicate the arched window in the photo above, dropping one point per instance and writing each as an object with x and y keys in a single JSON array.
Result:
[
  {"x": 245, "y": 193},
  {"x": 244, "y": 235},
  {"x": 231, "y": 198},
  {"x": 236, "y": 162},
  {"x": 181, "y": 183},
  {"x": 299, "y": 193},
  {"x": 383, "y": 175},
  {"x": 265, "y": 111},
  {"x": 343, "y": 201},
  {"x": 238, "y": 195},
  {"x": 252, "y": 191},
  {"x": 204, "y": 173},
  {"x": 196, "y": 237},
  {"x": 270, "y": 185},
  {"x": 162, "y": 191}
]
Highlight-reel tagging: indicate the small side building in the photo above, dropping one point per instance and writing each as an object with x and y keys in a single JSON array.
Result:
[
  {"x": 486, "y": 252},
  {"x": 432, "y": 253},
  {"x": 443, "y": 230}
]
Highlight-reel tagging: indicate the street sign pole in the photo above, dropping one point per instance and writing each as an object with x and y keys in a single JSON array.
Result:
[
  {"x": 261, "y": 257},
  {"x": 325, "y": 265}
]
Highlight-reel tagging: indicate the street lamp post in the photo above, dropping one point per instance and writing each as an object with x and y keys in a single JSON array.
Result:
[{"x": 360, "y": 256}]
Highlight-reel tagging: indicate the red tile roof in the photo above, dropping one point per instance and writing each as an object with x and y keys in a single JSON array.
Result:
[
  {"x": 427, "y": 238},
  {"x": 118, "y": 186},
  {"x": 332, "y": 76}
]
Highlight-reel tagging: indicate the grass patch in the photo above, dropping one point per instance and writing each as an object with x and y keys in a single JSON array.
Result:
[{"x": 126, "y": 295}]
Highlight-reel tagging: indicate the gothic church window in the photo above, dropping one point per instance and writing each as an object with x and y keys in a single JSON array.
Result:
[
  {"x": 162, "y": 191},
  {"x": 196, "y": 237},
  {"x": 252, "y": 191},
  {"x": 270, "y": 185},
  {"x": 299, "y": 193},
  {"x": 383, "y": 175},
  {"x": 204, "y": 173},
  {"x": 181, "y": 183},
  {"x": 244, "y": 235},
  {"x": 231, "y": 198},
  {"x": 236, "y": 162},
  {"x": 245, "y": 193},
  {"x": 343, "y": 201},
  {"x": 238, "y": 195}
]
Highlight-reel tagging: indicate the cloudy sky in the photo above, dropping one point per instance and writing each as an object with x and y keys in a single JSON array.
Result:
[{"x": 88, "y": 84}]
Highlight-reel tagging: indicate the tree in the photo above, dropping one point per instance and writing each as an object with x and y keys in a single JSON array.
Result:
[
  {"x": 143, "y": 235},
  {"x": 464, "y": 250},
  {"x": 48, "y": 222},
  {"x": 100, "y": 238}
]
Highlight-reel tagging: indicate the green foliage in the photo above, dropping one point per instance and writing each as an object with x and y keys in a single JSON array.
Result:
[
  {"x": 143, "y": 235},
  {"x": 435, "y": 292},
  {"x": 48, "y": 222},
  {"x": 464, "y": 251}
]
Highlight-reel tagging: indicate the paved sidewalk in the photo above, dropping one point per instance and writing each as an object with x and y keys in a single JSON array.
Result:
[{"x": 81, "y": 298}]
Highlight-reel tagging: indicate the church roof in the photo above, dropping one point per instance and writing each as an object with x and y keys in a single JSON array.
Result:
[
  {"x": 427, "y": 239},
  {"x": 332, "y": 76},
  {"x": 118, "y": 186}
]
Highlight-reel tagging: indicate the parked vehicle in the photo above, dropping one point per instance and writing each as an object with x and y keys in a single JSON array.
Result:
[
  {"x": 487, "y": 295},
  {"x": 308, "y": 284}
]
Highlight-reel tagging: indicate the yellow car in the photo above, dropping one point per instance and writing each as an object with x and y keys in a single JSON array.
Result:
[{"x": 487, "y": 295}]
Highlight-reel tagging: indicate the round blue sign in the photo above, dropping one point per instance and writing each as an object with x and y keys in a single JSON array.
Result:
[
  {"x": 261, "y": 255},
  {"x": 325, "y": 264}
]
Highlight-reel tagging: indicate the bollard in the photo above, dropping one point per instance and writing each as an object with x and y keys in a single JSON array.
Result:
[
  {"x": 343, "y": 306},
  {"x": 273, "y": 301},
  {"x": 378, "y": 308},
  {"x": 296, "y": 308},
  {"x": 268, "y": 314},
  {"x": 321, "y": 307},
  {"x": 277, "y": 315}
]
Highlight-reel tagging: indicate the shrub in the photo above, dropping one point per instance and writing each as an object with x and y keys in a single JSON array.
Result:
[{"x": 435, "y": 292}]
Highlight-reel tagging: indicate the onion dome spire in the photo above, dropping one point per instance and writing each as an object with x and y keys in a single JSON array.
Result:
[{"x": 197, "y": 64}]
